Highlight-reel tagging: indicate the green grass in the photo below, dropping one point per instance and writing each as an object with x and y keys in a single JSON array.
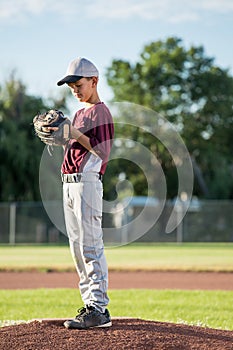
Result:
[
  {"x": 212, "y": 309},
  {"x": 184, "y": 257},
  {"x": 42, "y": 258}
]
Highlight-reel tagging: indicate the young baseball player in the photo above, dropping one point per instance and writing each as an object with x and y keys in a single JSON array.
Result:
[{"x": 85, "y": 160}]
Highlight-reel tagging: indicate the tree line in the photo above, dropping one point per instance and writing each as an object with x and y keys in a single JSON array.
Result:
[
  {"x": 182, "y": 84},
  {"x": 196, "y": 96},
  {"x": 20, "y": 150}
]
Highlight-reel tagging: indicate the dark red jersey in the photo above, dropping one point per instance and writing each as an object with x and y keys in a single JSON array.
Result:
[{"x": 96, "y": 123}]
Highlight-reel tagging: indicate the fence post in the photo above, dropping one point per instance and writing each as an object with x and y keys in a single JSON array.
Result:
[
  {"x": 12, "y": 221},
  {"x": 179, "y": 229}
]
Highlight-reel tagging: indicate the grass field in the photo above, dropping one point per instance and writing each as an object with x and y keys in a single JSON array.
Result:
[
  {"x": 202, "y": 308},
  {"x": 205, "y": 308},
  {"x": 184, "y": 257}
]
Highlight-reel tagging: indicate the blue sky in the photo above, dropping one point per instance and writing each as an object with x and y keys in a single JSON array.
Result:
[{"x": 38, "y": 38}]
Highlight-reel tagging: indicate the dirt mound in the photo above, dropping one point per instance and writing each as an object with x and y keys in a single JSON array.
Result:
[{"x": 132, "y": 334}]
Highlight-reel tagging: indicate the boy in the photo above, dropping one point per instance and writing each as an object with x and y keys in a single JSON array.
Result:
[{"x": 85, "y": 161}]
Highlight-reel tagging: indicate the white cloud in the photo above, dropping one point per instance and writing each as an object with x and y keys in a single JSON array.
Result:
[
  {"x": 14, "y": 10},
  {"x": 166, "y": 10},
  {"x": 148, "y": 9},
  {"x": 219, "y": 6}
]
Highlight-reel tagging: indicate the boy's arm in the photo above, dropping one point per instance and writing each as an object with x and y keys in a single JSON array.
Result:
[{"x": 82, "y": 139}]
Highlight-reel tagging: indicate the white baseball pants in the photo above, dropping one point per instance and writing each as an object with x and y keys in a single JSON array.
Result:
[{"x": 83, "y": 217}]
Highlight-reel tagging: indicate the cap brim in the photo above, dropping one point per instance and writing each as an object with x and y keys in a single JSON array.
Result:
[{"x": 69, "y": 79}]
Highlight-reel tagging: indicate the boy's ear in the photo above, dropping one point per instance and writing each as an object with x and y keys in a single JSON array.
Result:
[{"x": 94, "y": 81}]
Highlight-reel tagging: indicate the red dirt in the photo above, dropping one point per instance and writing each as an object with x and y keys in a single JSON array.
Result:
[
  {"x": 121, "y": 280},
  {"x": 132, "y": 334}
]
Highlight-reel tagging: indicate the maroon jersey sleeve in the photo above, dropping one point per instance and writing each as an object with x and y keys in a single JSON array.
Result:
[{"x": 101, "y": 135}]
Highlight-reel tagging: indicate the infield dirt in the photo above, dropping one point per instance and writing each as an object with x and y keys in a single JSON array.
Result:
[{"x": 121, "y": 280}]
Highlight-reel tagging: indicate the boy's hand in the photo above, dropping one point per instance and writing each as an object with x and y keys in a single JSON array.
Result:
[{"x": 52, "y": 127}]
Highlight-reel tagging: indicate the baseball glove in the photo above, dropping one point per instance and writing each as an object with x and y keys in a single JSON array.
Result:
[{"x": 52, "y": 119}]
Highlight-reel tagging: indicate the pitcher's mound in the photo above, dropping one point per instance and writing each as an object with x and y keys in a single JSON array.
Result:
[{"x": 125, "y": 333}]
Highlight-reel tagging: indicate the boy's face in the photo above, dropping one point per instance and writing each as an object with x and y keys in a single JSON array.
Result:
[{"x": 84, "y": 88}]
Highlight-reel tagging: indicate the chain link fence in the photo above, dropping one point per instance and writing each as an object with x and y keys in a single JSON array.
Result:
[
  {"x": 28, "y": 222},
  {"x": 208, "y": 221}
]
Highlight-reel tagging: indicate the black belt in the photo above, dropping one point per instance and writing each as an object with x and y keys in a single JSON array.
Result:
[{"x": 73, "y": 178}]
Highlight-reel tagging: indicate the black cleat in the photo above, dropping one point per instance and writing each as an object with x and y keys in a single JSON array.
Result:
[{"x": 89, "y": 317}]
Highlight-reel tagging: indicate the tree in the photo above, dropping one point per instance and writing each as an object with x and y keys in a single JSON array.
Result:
[
  {"x": 192, "y": 93},
  {"x": 20, "y": 150}
]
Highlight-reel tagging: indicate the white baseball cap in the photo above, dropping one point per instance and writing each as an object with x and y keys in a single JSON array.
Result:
[{"x": 78, "y": 69}]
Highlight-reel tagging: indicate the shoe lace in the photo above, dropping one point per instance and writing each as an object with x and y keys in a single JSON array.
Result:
[{"x": 81, "y": 311}]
